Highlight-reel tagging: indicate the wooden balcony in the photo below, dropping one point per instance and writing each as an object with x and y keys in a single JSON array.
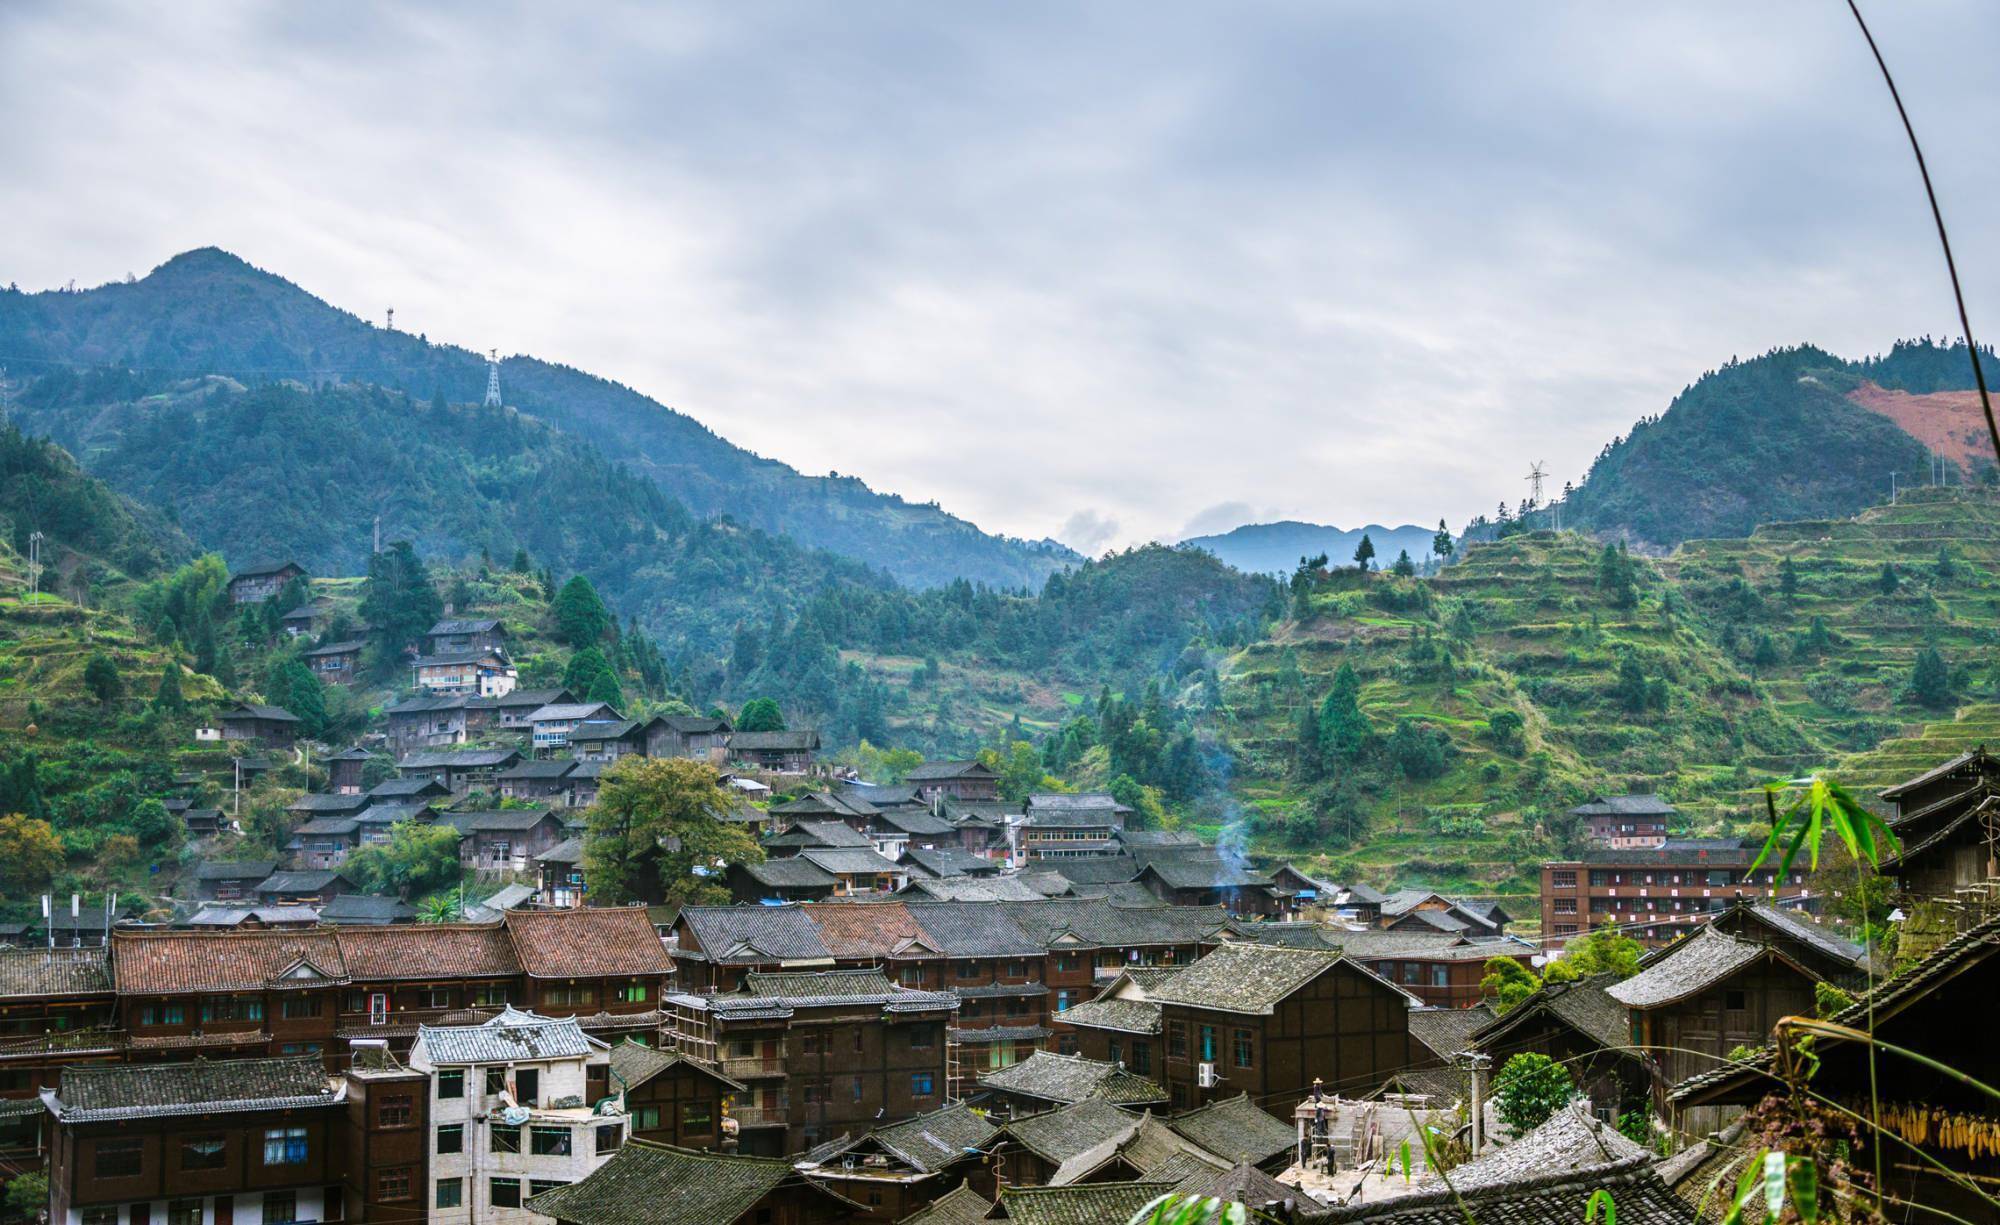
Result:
[{"x": 753, "y": 1067}]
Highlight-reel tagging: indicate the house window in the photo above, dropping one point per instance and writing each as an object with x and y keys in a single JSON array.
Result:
[
  {"x": 233, "y": 1008},
  {"x": 697, "y": 1119},
  {"x": 393, "y": 1184},
  {"x": 1066, "y": 1044},
  {"x": 1177, "y": 1040},
  {"x": 968, "y": 969},
  {"x": 505, "y": 1192},
  {"x": 1440, "y": 976},
  {"x": 490, "y": 995},
  {"x": 437, "y": 998},
  {"x": 920, "y": 1084},
  {"x": 812, "y": 1043},
  {"x": 451, "y": 1192},
  {"x": 183, "y": 1212},
  {"x": 506, "y": 1139},
  {"x": 378, "y": 1009},
  {"x": 633, "y": 992},
  {"x": 922, "y": 1037},
  {"x": 610, "y": 1138},
  {"x": 1562, "y": 880},
  {"x": 203, "y": 1153},
  {"x": 1208, "y": 1044},
  {"x": 285, "y": 1146},
  {"x": 451, "y": 1138},
  {"x": 539, "y": 1186},
  {"x": 299, "y": 1007},
  {"x": 566, "y": 996},
  {"x": 394, "y": 1111},
  {"x": 1565, "y": 905},
  {"x": 911, "y": 976},
  {"x": 645, "y": 1118},
  {"x": 1735, "y": 1001},
  {"x": 1245, "y": 1045},
  {"x": 1062, "y": 1001},
  {"x": 496, "y": 1081},
  {"x": 280, "y": 1206},
  {"x": 451, "y": 1084},
  {"x": 1142, "y": 1056},
  {"x": 550, "y": 1141},
  {"x": 162, "y": 1014}
]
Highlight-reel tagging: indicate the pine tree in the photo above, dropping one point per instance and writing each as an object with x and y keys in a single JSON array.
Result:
[
  {"x": 169, "y": 699},
  {"x": 584, "y": 668},
  {"x": 100, "y": 676},
  {"x": 1441, "y": 544},
  {"x": 1630, "y": 687},
  {"x": 1404, "y": 567},
  {"x": 580, "y": 616},
  {"x": 1947, "y": 569},
  {"x": 398, "y": 601},
  {"x": 606, "y": 689},
  {"x": 295, "y": 688},
  {"x": 1890, "y": 580},
  {"x": 1343, "y": 728},
  {"x": 1930, "y": 680},
  {"x": 1364, "y": 553},
  {"x": 1788, "y": 579}
]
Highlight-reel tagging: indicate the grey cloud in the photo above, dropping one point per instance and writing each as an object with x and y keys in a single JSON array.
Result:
[{"x": 1088, "y": 532}]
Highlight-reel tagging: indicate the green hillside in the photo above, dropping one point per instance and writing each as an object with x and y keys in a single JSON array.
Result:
[
  {"x": 1703, "y": 683},
  {"x": 207, "y": 312}
]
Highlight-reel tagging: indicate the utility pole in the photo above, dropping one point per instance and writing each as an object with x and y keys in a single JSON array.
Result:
[
  {"x": 1477, "y": 1064},
  {"x": 34, "y": 566}
]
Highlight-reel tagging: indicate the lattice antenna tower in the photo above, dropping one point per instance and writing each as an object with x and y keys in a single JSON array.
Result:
[
  {"x": 1536, "y": 472},
  {"x": 493, "y": 379}
]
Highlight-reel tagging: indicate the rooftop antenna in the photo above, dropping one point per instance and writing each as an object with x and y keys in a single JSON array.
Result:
[
  {"x": 493, "y": 378},
  {"x": 1536, "y": 472}
]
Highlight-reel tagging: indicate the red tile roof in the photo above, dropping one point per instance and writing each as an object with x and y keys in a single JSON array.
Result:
[
  {"x": 428, "y": 952},
  {"x": 610, "y": 942},
  {"x": 168, "y": 963},
  {"x": 866, "y": 929}
]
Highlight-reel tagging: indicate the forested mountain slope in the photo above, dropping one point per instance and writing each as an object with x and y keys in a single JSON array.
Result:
[
  {"x": 208, "y": 312},
  {"x": 1793, "y": 434}
]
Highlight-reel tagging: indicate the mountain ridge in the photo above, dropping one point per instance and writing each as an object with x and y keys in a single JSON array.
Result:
[
  {"x": 208, "y": 311},
  {"x": 1276, "y": 547}
]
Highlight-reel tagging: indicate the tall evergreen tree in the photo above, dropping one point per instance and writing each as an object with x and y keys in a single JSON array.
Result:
[
  {"x": 580, "y": 616},
  {"x": 1364, "y": 553},
  {"x": 398, "y": 601},
  {"x": 1343, "y": 728},
  {"x": 1441, "y": 544},
  {"x": 1930, "y": 679},
  {"x": 169, "y": 700},
  {"x": 1788, "y": 579},
  {"x": 1403, "y": 566}
]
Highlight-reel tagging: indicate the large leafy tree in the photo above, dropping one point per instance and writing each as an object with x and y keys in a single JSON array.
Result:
[
  {"x": 760, "y": 715},
  {"x": 656, "y": 834},
  {"x": 584, "y": 670},
  {"x": 294, "y": 687},
  {"x": 1605, "y": 950},
  {"x": 1530, "y": 1089},
  {"x": 581, "y": 617},
  {"x": 398, "y": 601},
  {"x": 100, "y": 676},
  {"x": 30, "y": 854},
  {"x": 1930, "y": 679},
  {"x": 1507, "y": 983},
  {"x": 417, "y": 860}
]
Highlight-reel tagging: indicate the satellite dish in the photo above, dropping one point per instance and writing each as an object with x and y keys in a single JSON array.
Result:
[{"x": 514, "y": 1116}]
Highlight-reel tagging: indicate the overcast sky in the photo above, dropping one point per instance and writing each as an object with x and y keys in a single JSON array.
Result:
[{"x": 1103, "y": 271}]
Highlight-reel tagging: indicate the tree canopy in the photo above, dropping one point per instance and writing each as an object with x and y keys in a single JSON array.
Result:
[{"x": 656, "y": 834}]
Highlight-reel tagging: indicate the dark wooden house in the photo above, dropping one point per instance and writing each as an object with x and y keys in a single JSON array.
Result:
[
  {"x": 961, "y": 780},
  {"x": 346, "y": 771},
  {"x": 336, "y": 663},
  {"x": 462, "y": 770},
  {"x": 670, "y": 1098},
  {"x": 1580, "y": 1026},
  {"x": 254, "y": 584},
  {"x": 894, "y": 1171},
  {"x": 265, "y": 724},
  {"x": 777, "y": 752},
  {"x": 452, "y": 636}
]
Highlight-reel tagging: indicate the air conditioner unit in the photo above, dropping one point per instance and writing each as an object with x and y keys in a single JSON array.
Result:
[{"x": 1205, "y": 1076}]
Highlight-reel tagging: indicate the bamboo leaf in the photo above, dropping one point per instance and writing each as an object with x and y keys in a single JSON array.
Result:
[
  {"x": 1774, "y": 1183},
  {"x": 1601, "y": 1198},
  {"x": 1802, "y": 1178}
]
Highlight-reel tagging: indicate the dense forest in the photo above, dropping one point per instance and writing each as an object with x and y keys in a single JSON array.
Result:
[{"x": 207, "y": 312}]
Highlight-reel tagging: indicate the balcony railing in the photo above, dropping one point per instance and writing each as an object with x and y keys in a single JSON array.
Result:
[
  {"x": 66, "y": 1042},
  {"x": 754, "y": 1066},
  {"x": 760, "y": 1116}
]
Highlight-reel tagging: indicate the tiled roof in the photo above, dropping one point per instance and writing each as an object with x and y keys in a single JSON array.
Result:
[
  {"x": 916, "y": 823},
  {"x": 319, "y": 801},
  {"x": 592, "y": 942},
  {"x": 974, "y": 889},
  {"x": 939, "y": 771},
  {"x": 462, "y": 626},
  {"x": 1625, "y": 806},
  {"x": 328, "y": 826},
  {"x": 1245, "y": 977},
  {"x": 1447, "y": 1031},
  {"x": 1585, "y": 1005},
  {"x": 1973, "y": 757},
  {"x": 459, "y": 759},
  {"x": 495, "y": 820},
  {"x": 511, "y": 1037},
  {"x": 1082, "y": 1204},
  {"x": 1154, "y": 1145},
  {"x": 366, "y": 908},
  {"x": 235, "y": 869},
  {"x": 247, "y": 710},
  {"x": 598, "y": 731},
  {"x": 973, "y": 929},
  {"x": 1571, "y": 1141},
  {"x": 1072, "y": 1078},
  {"x": 960, "y": 1206},
  {"x": 405, "y": 788},
  {"x": 1237, "y": 1129},
  {"x": 532, "y": 699},
  {"x": 1203, "y": 872},
  {"x": 1550, "y": 1199},
  {"x": 204, "y": 1087},
  {"x": 949, "y": 861},
  {"x": 1096, "y": 869},
  {"x": 1700, "y": 962},
  {"x": 754, "y": 935},
  {"x": 851, "y": 861},
  {"x": 807, "y": 833},
  {"x": 219, "y": 914},
  {"x": 835, "y": 987},
  {"x": 930, "y": 1142},
  {"x": 633, "y": 1065},
  {"x": 795, "y": 872},
  {"x": 1060, "y": 1135},
  {"x": 991, "y": 1034},
  {"x": 545, "y": 770},
  {"x": 1242, "y": 1183},
  {"x": 1680, "y": 852},
  {"x": 560, "y": 712},
  {"x": 773, "y": 741},
  {"x": 868, "y": 929},
  {"x": 300, "y": 881},
  {"x": 656, "y": 1184},
  {"x": 172, "y": 963},
  {"x": 825, "y": 803},
  {"x": 569, "y": 850},
  {"x": 31, "y": 973},
  {"x": 429, "y": 951},
  {"x": 1125, "y": 1016}
]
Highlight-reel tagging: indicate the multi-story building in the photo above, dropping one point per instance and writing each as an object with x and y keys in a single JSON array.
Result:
[
  {"x": 479, "y": 673},
  {"x": 1656, "y": 893},
  {"x": 1622, "y": 822},
  {"x": 820, "y": 1054},
  {"x": 236, "y": 1140},
  {"x": 513, "y": 1106}
]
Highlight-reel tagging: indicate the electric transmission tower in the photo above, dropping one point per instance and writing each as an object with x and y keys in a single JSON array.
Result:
[
  {"x": 493, "y": 379},
  {"x": 1536, "y": 472}
]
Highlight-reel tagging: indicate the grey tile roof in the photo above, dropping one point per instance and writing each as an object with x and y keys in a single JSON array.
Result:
[
  {"x": 1550, "y": 1199},
  {"x": 656, "y": 1184},
  {"x": 329, "y": 826},
  {"x": 1447, "y": 1031},
  {"x": 633, "y": 1065},
  {"x": 34, "y": 973},
  {"x": 462, "y": 626},
  {"x": 1242, "y": 1183},
  {"x": 939, "y": 771},
  {"x": 367, "y": 908},
  {"x": 511, "y": 1037},
  {"x": 459, "y": 759},
  {"x": 1625, "y": 806},
  {"x": 755, "y": 934},
  {"x": 1207, "y": 871},
  {"x": 916, "y": 823},
  {"x": 1072, "y": 1078},
  {"x": 1698, "y": 963},
  {"x": 808, "y": 833},
  {"x": 1237, "y": 1129},
  {"x": 1571, "y": 1141},
  {"x": 560, "y": 712},
  {"x": 974, "y": 889},
  {"x": 1585, "y": 1005},
  {"x": 247, "y": 710},
  {"x": 825, "y": 803},
  {"x": 494, "y": 821},
  {"x": 569, "y": 850},
  {"x": 1096, "y": 869},
  {"x": 318, "y": 801},
  {"x": 1972, "y": 757},
  {"x": 774, "y": 742},
  {"x": 851, "y": 861},
  {"x": 132, "y": 1091},
  {"x": 1125, "y": 1016},
  {"x": 835, "y": 987},
  {"x": 949, "y": 861},
  {"x": 404, "y": 788},
  {"x": 930, "y": 1142},
  {"x": 235, "y": 869},
  {"x": 1103, "y": 1203},
  {"x": 546, "y": 770},
  {"x": 1249, "y": 978},
  {"x": 1059, "y": 1135},
  {"x": 960, "y": 1206},
  {"x": 974, "y": 929},
  {"x": 299, "y": 882}
]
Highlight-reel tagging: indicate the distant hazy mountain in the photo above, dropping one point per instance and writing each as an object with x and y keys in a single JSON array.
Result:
[
  {"x": 1275, "y": 548},
  {"x": 207, "y": 312}
]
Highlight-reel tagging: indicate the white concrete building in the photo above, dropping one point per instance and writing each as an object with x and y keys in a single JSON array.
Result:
[{"x": 519, "y": 1105}]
